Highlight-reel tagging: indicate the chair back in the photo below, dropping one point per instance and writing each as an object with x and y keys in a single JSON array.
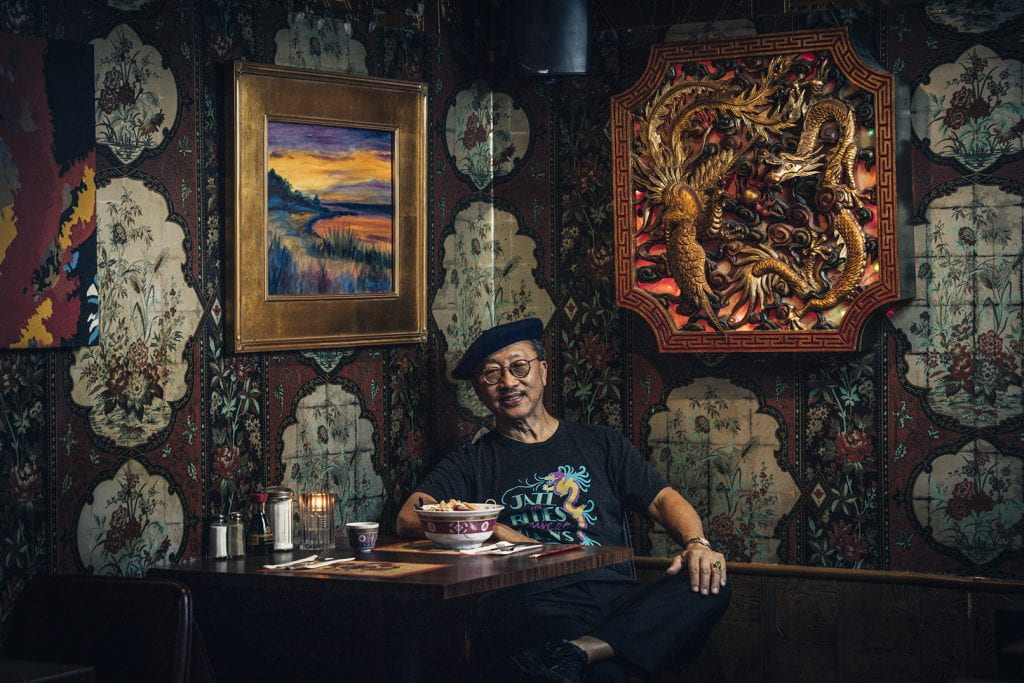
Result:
[
  {"x": 129, "y": 629},
  {"x": 627, "y": 534}
]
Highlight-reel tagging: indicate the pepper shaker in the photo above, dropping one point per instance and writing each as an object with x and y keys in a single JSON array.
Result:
[{"x": 236, "y": 534}]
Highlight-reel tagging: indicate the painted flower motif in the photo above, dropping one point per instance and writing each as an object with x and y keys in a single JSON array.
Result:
[
  {"x": 586, "y": 173},
  {"x": 141, "y": 388},
  {"x": 154, "y": 123},
  {"x": 226, "y": 461},
  {"x": 853, "y": 446},
  {"x": 118, "y": 233},
  {"x": 966, "y": 499},
  {"x": 25, "y": 482},
  {"x": 852, "y": 546},
  {"x": 990, "y": 343},
  {"x": 597, "y": 351},
  {"x": 124, "y": 528},
  {"x": 967, "y": 236},
  {"x": 962, "y": 367},
  {"x": 242, "y": 368},
  {"x": 137, "y": 354},
  {"x": 109, "y": 91},
  {"x": 723, "y": 525},
  {"x": 985, "y": 374},
  {"x": 221, "y": 46},
  {"x": 599, "y": 261},
  {"x": 701, "y": 424},
  {"x": 474, "y": 133}
]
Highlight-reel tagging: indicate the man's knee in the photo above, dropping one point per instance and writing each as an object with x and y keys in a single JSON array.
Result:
[{"x": 721, "y": 600}]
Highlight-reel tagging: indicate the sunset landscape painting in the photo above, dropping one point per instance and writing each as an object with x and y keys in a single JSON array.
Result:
[{"x": 330, "y": 210}]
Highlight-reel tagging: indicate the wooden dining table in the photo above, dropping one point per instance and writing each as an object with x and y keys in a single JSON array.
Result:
[{"x": 397, "y": 613}]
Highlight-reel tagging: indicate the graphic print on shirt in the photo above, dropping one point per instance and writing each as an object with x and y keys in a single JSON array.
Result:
[{"x": 550, "y": 508}]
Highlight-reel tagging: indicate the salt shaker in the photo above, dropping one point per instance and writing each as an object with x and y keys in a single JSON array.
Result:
[
  {"x": 218, "y": 544},
  {"x": 236, "y": 534},
  {"x": 280, "y": 508}
]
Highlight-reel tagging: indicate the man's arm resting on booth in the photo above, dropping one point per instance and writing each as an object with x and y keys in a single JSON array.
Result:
[{"x": 681, "y": 521}]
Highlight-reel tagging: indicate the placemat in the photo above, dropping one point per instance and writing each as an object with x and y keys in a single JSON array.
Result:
[
  {"x": 418, "y": 546},
  {"x": 374, "y": 568}
]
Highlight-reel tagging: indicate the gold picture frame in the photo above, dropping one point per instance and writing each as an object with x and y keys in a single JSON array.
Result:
[{"x": 327, "y": 223}]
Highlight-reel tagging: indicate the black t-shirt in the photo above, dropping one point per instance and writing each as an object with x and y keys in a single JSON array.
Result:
[{"x": 572, "y": 488}]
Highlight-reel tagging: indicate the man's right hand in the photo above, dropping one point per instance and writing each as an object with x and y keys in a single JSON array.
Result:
[{"x": 408, "y": 523}]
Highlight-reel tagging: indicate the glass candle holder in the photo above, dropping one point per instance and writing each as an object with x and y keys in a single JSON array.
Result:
[{"x": 316, "y": 519}]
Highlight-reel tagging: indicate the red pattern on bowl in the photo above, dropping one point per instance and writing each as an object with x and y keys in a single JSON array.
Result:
[{"x": 460, "y": 529}]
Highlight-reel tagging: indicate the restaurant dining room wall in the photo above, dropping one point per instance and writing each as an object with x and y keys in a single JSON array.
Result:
[
  {"x": 903, "y": 455},
  {"x": 114, "y": 456}
]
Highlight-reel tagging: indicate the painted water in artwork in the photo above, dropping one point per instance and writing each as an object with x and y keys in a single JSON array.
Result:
[{"x": 330, "y": 218}]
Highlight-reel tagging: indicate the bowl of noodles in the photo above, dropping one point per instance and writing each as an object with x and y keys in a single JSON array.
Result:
[{"x": 458, "y": 525}]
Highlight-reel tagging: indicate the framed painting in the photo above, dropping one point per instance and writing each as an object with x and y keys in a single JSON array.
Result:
[
  {"x": 754, "y": 192},
  {"x": 327, "y": 234}
]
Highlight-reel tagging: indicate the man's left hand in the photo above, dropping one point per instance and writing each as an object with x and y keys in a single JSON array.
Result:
[{"x": 706, "y": 567}]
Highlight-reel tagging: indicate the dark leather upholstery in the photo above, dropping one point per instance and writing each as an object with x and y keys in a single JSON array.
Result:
[{"x": 128, "y": 629}]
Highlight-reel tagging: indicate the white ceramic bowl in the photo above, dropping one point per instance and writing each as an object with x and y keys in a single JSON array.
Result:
[{"x": 459, "y": 529}]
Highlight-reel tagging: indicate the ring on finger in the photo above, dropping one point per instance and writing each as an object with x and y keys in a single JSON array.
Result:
[{"x": 717, "y": 564}]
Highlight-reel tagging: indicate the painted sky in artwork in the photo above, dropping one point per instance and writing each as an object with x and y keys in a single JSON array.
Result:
[{"x": 337, "y": 163}]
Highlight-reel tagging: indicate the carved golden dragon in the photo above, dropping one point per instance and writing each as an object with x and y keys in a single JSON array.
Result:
[
  {"x": 758, "y": 266},
  {"x": 689, "y": 183}
]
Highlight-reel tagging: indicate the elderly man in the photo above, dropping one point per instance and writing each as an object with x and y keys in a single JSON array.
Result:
[{"x": 562, "y": 482}]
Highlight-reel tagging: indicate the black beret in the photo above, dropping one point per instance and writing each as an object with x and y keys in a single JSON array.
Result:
[{"x": 495, "y": 339}]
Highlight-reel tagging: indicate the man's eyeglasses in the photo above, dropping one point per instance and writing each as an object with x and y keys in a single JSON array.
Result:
[{"x": 519, "y": 369}]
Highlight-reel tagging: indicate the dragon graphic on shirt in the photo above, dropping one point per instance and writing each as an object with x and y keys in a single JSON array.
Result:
[{"x": 553, "y": 506}]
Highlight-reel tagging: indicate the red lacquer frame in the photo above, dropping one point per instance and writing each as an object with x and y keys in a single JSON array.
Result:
[{"x": 627, "y": 106}]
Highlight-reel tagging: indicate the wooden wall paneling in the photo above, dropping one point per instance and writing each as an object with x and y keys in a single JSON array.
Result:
[
  {"x": 983, "y": 647},
  {"x": 946, "y": 633},
  {"x": 802, "y": 630},
  {"x": 878, "y": 632}
]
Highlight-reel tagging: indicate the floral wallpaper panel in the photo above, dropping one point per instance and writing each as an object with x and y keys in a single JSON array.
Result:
[
  {"x": 328, "y": 444},
  {"x": 136, "y": 96},
  {"x": 715, "y": 445},
  {"x": 489, "y": 270},
  {"x": 319, "y": 43},
  {"x": 709, "y": 30},
  {"x": 966, "y": 350},
  {"x": 148, "y": 316},
  {"x": 970, "y": 501},
  {"x": 970, "y": 112},
  {"x": 965, "y": 16},
  {"x": 130, "y": 523},
  {"x": 487, "y": 134}
]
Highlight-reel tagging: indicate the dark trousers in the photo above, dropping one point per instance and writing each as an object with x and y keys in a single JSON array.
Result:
[{"x": 652, "y": 626}]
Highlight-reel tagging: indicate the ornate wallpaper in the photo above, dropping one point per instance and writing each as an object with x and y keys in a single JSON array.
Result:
[{"x": 904, "y": 454}]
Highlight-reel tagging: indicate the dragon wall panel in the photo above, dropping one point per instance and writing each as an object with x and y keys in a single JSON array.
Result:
[{"x": 754, "y": 184}]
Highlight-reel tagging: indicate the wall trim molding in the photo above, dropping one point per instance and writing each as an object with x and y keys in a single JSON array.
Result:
[{"x": 972, "y": 583}]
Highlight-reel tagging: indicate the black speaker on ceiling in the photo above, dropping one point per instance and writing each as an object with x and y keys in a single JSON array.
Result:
[{"x": 550, "y": 37}]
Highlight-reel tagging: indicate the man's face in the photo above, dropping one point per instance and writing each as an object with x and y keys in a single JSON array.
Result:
[{"x": 513, "y": 398}]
